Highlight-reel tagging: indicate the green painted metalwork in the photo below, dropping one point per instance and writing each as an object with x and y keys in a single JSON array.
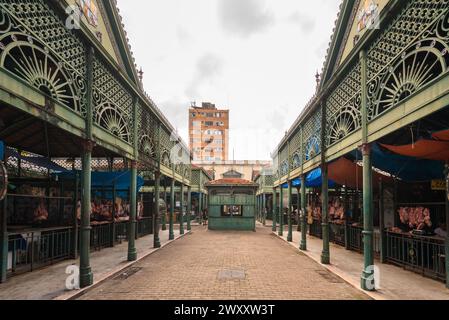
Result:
[
  {"x": 401, "y": 61},
  {"x": 181, "y": 214},
  {"x": 189, "y": 208},
  {"x": 172, "y": 211},
  {"x": 281, "y": 212},
  {"x": 243, "y": 197},
  {"x": 303, "y": 244},
  {"x": 275, "y": 209},
  {"x": 289, "y": 212},
  {"x": 325, "y": 255},
  {"x": 157, "y": 183},
  {"x": 86, "y": 276}
]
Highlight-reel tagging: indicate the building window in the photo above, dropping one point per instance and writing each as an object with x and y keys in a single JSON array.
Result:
[
  {"x": 232, "y": 211},
  {"x": 209, "y": 123}
]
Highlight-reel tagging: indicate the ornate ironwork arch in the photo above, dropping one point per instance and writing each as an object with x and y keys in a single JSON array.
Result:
[
  {"x": 31, "y": 61},
  {"x": 109, "y": 117}
]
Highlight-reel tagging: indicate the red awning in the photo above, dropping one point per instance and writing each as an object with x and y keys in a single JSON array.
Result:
[
  {"x": 441, "y": 136},
  {"x": 423, "y": 149},
  {"x": 347, "y": 173}
]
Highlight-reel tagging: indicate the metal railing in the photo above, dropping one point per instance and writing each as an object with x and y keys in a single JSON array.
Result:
[
  {"x": 337, "y": 233},
  {"x": 31, "y": 250},
  {"x": 315, "y": 229},
  {"x": 101, "y": 236},
  {"x": 144, "y": 226},
  {"x": 424, "y": 255}
]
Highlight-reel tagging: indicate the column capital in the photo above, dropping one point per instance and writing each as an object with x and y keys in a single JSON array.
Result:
[{"x": 88, "y": 145}]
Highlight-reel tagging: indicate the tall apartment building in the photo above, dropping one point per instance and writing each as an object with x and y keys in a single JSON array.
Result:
[{"x": 208, "y": 133}]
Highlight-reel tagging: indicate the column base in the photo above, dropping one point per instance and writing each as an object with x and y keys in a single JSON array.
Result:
[
  {"x": 303, "y": 246},
  {"x": 367, "y": 282},
  {"x": 157, "y": 243},
  {"x": 171, "y": 236},
  {"x": 325, "y": 258},
  {"x": 164, "y": 227},
  {"x": 132, "y": 255},
  {"x": 86, "y": 277},
  {"x": 290, "y": 238}
]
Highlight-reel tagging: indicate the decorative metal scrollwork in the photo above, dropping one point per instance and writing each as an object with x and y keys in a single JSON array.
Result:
[
  {"x": 347, "y": 120},
  {"x": 421, "y": 63},
  {"x": 313, "y": 148},
  {"x": 146, "y": 146},
  {"x": 26, "y": 58},
  {"x": 109, "y": 117},
  {"x": 296, "y": 161},
  {"x": 166, "y": 159}
]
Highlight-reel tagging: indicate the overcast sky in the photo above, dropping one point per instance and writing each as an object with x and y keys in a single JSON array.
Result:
[{"x": 257, "y": 58}]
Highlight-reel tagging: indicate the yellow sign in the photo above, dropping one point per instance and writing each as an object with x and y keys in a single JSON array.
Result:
[{"x": 438, "y": 185}]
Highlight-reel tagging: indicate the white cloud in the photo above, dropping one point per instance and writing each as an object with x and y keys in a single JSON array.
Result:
[{"x": 244, "y": 17}]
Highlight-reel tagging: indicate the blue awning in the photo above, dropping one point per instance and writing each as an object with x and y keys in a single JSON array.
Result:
[
  {"x": 405, "y": 168},
  {"x": 313, "y": 180}
]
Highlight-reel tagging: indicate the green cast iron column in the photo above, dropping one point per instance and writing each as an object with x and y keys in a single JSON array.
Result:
[
  {"x": 86, "y": 276},
  {"x": 172, "y": 210},
  {"x": 367, "y": 279},
  {"x": 181, "y": 217},
  {"x": 383, "y": 240},
  {"x": 189, "y": 208},
  {"x": 200, "y": 207},
  {"x": 281, "y": 211},
  {"x": 157, "y": 183},
  {"x": 132, "y": 252},
  {"x": 325, "y": 256},
  {"x": 274, "y": 209},
  {"x": 368, "y": 232},
  {"x": 3, "y": 241},
  {"x": 132, "y": 225},
  {"x": 264, "y": 209},
  {"x": 289, "y": 212},
  {"x": 164, "y": 216},
  {"x": 447, "y": 225},
  {"x": 303, "y": 244}
]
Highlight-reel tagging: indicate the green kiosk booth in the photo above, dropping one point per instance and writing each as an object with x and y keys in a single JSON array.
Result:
[{"x": 232, "y": 204}]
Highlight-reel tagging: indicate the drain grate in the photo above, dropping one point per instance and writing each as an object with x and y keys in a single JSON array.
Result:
[
  {"x": 127, "y": 273},
  {"x": 231, "y": 275},
  {"x": 329, "y": 277}
]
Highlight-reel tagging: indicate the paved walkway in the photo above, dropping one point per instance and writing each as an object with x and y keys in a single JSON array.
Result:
[
  {"x": 49, "y": 283},
  {"x": 229, "y": 265},
  {"x": 396, "y": 283}
]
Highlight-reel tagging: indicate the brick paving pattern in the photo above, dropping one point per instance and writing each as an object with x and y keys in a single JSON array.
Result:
[{"x": 209, "y": 265}]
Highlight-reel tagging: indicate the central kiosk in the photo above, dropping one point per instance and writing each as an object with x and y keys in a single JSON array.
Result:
[{"x": 232, "y": 204}]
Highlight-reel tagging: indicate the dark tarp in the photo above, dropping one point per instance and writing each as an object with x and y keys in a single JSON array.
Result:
[
  {"x": 104, "y": 182},
  {"x": 2, "y": 150},
  {"x": 37, "y": 161},
  {"x": 405, "y": 168}
]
